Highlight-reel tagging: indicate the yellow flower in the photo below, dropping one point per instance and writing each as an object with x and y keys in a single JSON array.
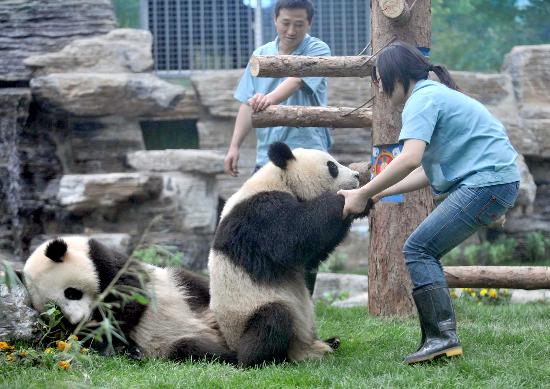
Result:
[
  {"x": 10, "y": 357},
  {"x": 483, "y": 292},
  {"x": 6, "y": 346},
  {"x": 64, "y": 364},
  {"x": 23, "y": 354},
  {"x": 48, "y": 350},
  {"x": 63, "y": 346},
  {"x": 473, "y": 294},
  {"x": 83, "y": 350},
  {"x": 73, "y": 337},
  {"x": 493, "y": 293}
]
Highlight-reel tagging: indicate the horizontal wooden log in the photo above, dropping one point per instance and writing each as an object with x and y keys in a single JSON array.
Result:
[
  {"x": 513, "y": 277},
  {"x": 300, "y": 116},
  {"x": 307, "y": 66}
]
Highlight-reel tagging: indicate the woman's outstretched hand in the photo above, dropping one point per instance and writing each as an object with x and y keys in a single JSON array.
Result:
[{"x": 356, "y": 202}]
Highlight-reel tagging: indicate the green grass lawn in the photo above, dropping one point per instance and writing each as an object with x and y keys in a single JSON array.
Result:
[{"x": 506, "y": 346}]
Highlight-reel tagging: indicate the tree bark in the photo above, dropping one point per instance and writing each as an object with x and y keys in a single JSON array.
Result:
[
  {"x": 307, "y": 66},
  {"x": 298, "y": 116},
  {"x": 516, "y": 277},
  {"x": 391, "y": 223}
]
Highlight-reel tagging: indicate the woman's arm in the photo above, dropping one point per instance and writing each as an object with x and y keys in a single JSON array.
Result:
[
  {"x": 397, "y": 170},
  {"x": 417, "y": 179}
]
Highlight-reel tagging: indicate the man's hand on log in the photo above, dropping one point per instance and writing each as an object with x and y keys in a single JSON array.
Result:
[{"x": 259, "y": 102}]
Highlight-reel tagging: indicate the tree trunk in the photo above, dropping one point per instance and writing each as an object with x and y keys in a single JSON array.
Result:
[
  {"x": 307, "y": 66},
  {"x": 298, "y": 116},
  {"x": 516, "y": 277},
  {"x": 392, "y": 223}
]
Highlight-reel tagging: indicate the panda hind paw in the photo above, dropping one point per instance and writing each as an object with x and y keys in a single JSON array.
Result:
[{"x": 334, "y": 342}]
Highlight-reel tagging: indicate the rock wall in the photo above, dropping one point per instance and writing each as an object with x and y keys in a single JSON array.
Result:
[
  {"x": 82, "y": 163},
  {"x": 30, "y": 27},
  {"x": 78, "y": 171}
]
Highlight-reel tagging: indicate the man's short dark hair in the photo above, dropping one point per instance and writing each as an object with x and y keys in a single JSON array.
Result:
[{"x": 296, "y": 4}]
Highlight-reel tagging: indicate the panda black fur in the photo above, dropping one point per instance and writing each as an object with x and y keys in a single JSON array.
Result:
[
  {"x": 284, "y": 220},
  {"x": 72, "y": 271}
]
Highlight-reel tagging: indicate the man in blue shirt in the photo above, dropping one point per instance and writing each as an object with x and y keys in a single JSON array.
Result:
[{"x": 292, "y": 22}]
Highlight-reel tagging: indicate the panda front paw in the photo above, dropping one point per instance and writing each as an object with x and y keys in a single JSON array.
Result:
[
  {"x": 366, "y": 211},
  {"x": 134, "y": 352}
]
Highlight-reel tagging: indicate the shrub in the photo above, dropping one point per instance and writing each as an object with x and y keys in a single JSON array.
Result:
[
  {"x": 164, "y": 256},
  {"x": 536, "y": 246},
  {"x": 500, "y": 252}
]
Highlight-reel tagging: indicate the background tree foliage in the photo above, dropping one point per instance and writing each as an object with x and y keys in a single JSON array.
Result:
[{"x": 477, "y": 34}]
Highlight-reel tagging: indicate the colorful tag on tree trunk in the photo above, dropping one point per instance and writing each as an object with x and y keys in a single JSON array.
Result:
[{"x": 382, "y": 155}]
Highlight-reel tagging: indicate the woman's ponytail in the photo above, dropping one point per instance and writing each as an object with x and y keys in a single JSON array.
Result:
[{"x": 444, "y": 76}]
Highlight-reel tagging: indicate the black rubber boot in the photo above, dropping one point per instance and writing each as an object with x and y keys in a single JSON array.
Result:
[{"x": 437, "y": 321}]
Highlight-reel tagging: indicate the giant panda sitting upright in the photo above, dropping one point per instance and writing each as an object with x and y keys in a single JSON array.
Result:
[
  {"x": 282, "y": 222},
  {"x": 72, "y": 271}
]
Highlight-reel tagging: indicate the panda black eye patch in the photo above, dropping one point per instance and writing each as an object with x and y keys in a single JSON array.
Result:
[
  {"x": 332, "y": 169},
  {"x": 73, "y": 294}
]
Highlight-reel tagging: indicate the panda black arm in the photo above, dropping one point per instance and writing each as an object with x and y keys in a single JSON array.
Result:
[
  {"x": 273, "y": 233},
  {"x": 321, "y": 227},
  {"x": 196, "y": 288}
]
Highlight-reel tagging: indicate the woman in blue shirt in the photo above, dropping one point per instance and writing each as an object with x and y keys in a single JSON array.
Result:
[{"x": 451, "y": 142}]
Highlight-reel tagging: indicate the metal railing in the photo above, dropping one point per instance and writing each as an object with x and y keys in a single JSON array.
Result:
[{"x": 220, "y": 34}]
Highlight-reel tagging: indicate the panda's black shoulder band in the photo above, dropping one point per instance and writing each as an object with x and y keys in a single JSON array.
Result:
[{"x": 56, "y": 249}]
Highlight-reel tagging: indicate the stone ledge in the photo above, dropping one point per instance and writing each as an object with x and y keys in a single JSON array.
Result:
[{"x": 192, "y": 161}]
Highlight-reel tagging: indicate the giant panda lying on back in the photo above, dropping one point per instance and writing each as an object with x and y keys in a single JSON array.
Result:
[
  {"x": 72, "y": 271},
  {"x": 283, "y": 221}
]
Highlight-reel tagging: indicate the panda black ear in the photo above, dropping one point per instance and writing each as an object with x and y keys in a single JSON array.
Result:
[
  {"x": 279, "y": 153},
  {"x": 56, "y": 249}
]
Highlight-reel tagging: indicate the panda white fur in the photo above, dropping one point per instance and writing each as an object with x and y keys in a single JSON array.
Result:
[
  {"x": 283, "y": 221},
  {"x": 72, "y": 271}
]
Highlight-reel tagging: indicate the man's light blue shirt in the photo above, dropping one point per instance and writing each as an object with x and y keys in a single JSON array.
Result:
[
  {"x": 312, "y": 93},
  {"x": 466, "y": 144}
]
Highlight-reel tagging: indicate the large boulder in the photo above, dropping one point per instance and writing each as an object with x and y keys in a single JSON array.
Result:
[
  {"x": 333, "y": 285},
  {"x": 14, "y": 104},
  {"x": 98, "y": 145},
  {"x": 192, "y": 161},
  {"x": 185, "y": 214},
  {"x": 120, "y": 51},
  {"x": 18, "y": 321},
  {"x": 103, "y": 94},
  {"x": 215, "y": 90},
  {"x": 85, "y": 193},
  {"x": 529, "y": 67},
  {"x": 527, "y": 191},
  {"x": 496, "y": 92},
  {"x": 30, "y": 27}
]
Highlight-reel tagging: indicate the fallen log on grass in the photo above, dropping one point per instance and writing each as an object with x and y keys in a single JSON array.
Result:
[{"x": 513, "y": 277}]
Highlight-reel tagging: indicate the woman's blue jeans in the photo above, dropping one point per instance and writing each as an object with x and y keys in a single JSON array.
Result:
[{"x": 462, "y": 213}]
